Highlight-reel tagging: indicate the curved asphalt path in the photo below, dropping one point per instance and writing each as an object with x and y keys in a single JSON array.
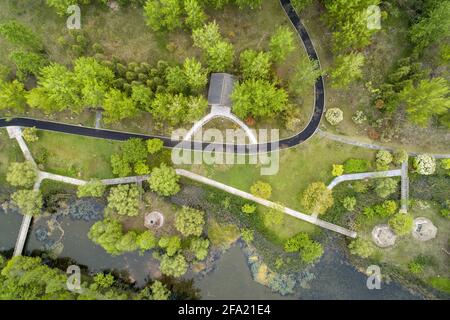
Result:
[{"x": 306, "y": 133}]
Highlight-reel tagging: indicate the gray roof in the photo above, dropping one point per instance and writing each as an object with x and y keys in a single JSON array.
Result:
[{"x": 220, "y": 89}]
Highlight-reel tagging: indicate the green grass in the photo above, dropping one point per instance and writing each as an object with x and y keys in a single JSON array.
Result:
[
  {"x": 75, "y": 156},
  {"x": 309, "y": 162},
  {"x": 407, "y": 248},
  {"x": 9, "y": 152}
]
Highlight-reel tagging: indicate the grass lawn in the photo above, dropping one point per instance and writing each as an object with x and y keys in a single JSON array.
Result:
[
  {"x": 309, "y": 162},
  {"x": 407, "y": 248},
  {"x": 9, "y": 152},
  {"x": 74, "y": 156}
]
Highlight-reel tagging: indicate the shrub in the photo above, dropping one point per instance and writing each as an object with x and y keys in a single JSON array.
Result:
[
  {"x": 415, "y": 267},
  {"x": 361, "y": 247},
  {"x": 400, "y": 156},
  {"x": 124, "y": 200},
  {"x": 30, "y": 134},
  {"x": 338, "y": 170},
  {"x": 424, "y": 164},
  {"x": 247, "y": 235},
  {"x": 164, "y": 180},
  {"x": 359, "y": 117},
  {"x": 261, "y": 189},
  {"x": 154, "y": 145},
  {"x": 384, "y": 158},
  {"x": 334, "y": 116},
  {"x": 190, "y": 221},
  {"x": 199, "y": 247},
  {"x": 317, "y": 198},
  {"x": 173, "y": 266},
  {"x": 170, "y": 244},
  {"x": 21, "y": 174},
  {"x": 349, "y": 203},
  {"x": 248, "y": 208},
  {"x": 401, "y": 223},
  {"x": 94, "y": 188},
  {"x": 385, "y": 187},
  {"x": 29, "y": 202}
]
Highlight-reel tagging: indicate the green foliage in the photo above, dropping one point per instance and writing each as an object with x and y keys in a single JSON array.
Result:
[
  {"x": 400, "y": 156},
  {"x": 247, "y": 235},
  {"x": 273, "y": 217},
  {"x": 28, "y": 201},
  {"x": 173, "y": 266},
  {"x": 94, "y": 188},
  {"x": 140, "y": 168},
  {"x": 303, "y": 79},
  {"x": 196, "y": 17},
  {"x": 296, "y": 242},
  {"x": 248, "y": 208},
  {"x": 163, "y": 14},
  {"x": 154, "y": 145},
  {"x": 385, "y": 187},
  {"x": 12, "y": 95},
  {"x": 146, "y": 241},
  {"x": 170, "y": 244},
  {"x": 118, "y": 106},
  {"x": 334, "y": 116},
  {"x": 255, "y": 65},
  {"x": 317, "y": 198},
  {"x": 27, "y": 63},
  {"x": 440, "y": 283},
  {"x": 347, "y": 69},
  {"x": 424, "y": 164},
  {"x": 199, "y": 247},
  {"x": 119, "y": 166},
  {"x": 384, "y": 158},
  {"x": 338, "y": 170},
  {"x": 261, "y": 189},
  {"x": 128, "y": 242},
  {"x": 309, "y": 250},
  {"x": 103, "y": 280},
  {"x": 18, "y": 34},
  {"x": 134, "y": 150},
  {"x": 175, "y": 79},
  {"x": 281, "y": 44},
  {"x": 415, "y": 267},
  {"x": 385, "y": 209},
  {"x": 159, "y": 291},
  {"x": 258, "y": 98},
  {"x": 401, "y": 223},
  {"x": 176, "y": 109},
  {"x": 190, "y": 221},
  {"x": 106, "y": 233},
  {"x": 361, "y": 247},
  {"x": 164, "y": 181},
  {"x": 349, "y": 203},
  {"x": 426, "y": 99},
  {"x": 348, "y": 20},
  {"x": 141, "y": 96},
  {"x": 21, "y": 174},
  {"x": 356, "y": 165},
  {"x": 124, "y": 200},
  {"x": 195, "y": 75},
  {"x": 30, "y": 134}
]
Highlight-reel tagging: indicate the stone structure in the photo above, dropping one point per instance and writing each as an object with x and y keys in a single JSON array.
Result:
[
  {"x": 424, "y": 229},
  {"x": 383, "y": 236}
]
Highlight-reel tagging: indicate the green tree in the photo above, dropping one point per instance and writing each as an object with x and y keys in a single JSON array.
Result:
[
  {"x": 195, "y": 75},
  {"x": 361, "y": 247},
  {"x": 27, "y": 63},
  {"x": 117, "y": 106},
  {"x": 30, "y": 134},
  {"x": 401, "y": 223},
  {"x": 12, "y": 95},
  {"x": 206, "y": 35},
  {"x": 141, "y": 96},
  {"x": 164, "y": 180},
  {"x": 163, "y": 14},
  {"x": 303, "y": 79},
  {"x": 317, "y": 198},
  {"x": 255, "y": 65},
  {"x": 296, "y": 242},
  {"x": 106, "y": 233},
  {"x": 154, "y": 145},
  {"x": 119, "y": 166},
  {"x": 176, "y": 80},
  {"x": 383, "y": 159},
  {"x": 21, "y": 174},
  {"x": 94, "y": 188},
  {"x": 281, "y": 44},
  {"x": 124, "y": 200},
  {"x": 385, "y": 187},
  {"x": 128, "y": 242},
  {"x": 146, "y": 240},
  {"x": 94, "y": 80},
  {"x": 338, "y": 170},
  {"x": 400, "y": 156},
  {"x": 261, "y": 189},
  {"x": 424, "y": 164},
  {"x": 311, "y": 252},
  {"x": 140, "y": 168},
  {"x": 190, "y": 221},
  {"x": 170, "y": 244},
  {"x": 196, "y": 17},
  {"x": 159, "y": 291},
  {"x": 199, "y": 247},
  {"x": 426, "y": 99},
  {"x": 134, "y": 150},
  {"x": 102, "y": 280},
  {"x": 220, "y": 56},
  {"x": 28, "y": 201},
  {"x": 346, "y": 69},
  {"x": 258, "y": 98},
  {"x": 173, "y": 266}
]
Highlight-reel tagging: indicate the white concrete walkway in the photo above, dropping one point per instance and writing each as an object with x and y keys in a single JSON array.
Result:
[
  {"x": 220, "y": 112},
  {"x": 364, "y": 175}
]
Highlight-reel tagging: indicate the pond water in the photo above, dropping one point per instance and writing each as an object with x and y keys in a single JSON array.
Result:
[{"x": 335, "y": 278}]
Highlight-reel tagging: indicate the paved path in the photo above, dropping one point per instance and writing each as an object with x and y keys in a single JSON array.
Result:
[
  {"x": 98, "y": 119},
  {"x": 364, "y": 175},
  {"x": 16, "y": 133},
  {"x": 220, "y": 112},
  {"x": 404, "y": 187},
  {"x": 267, "y": 203},
  {"x": 373, "y": 146}
]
